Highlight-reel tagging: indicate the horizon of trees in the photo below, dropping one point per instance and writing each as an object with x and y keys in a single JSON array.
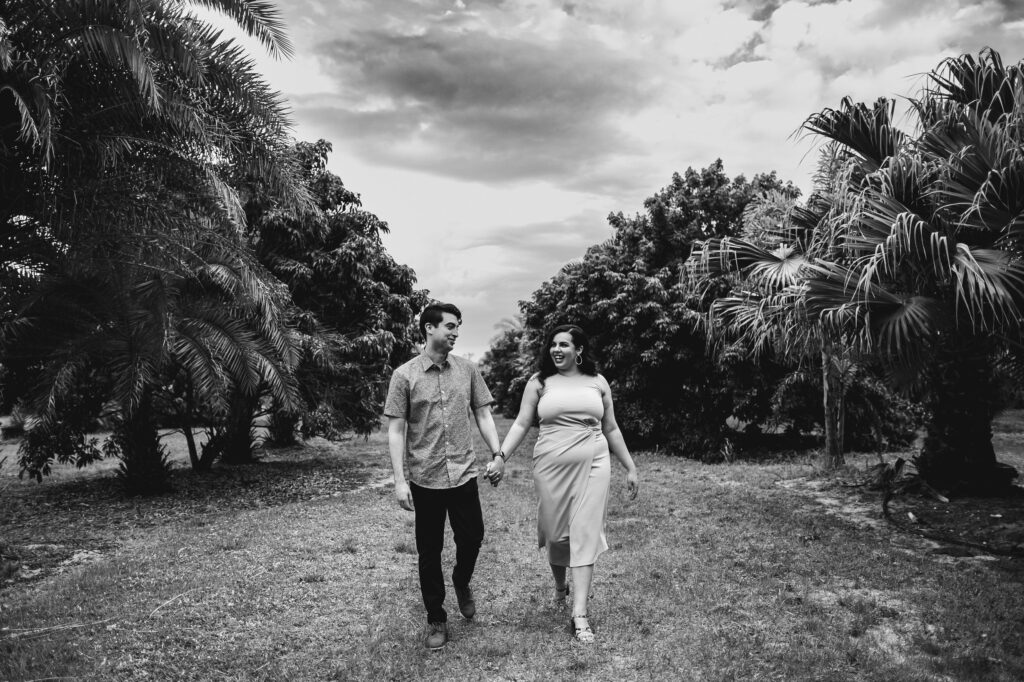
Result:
[{"x": 171, "y": 258}]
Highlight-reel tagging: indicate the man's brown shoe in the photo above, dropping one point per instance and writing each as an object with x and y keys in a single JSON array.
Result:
[
  {"x": 467, "y": 605},
  {"x": 437, "y": 636}
]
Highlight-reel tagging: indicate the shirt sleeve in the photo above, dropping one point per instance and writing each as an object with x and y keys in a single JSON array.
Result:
[
  {"x": 397, "y": 403},
  {"x": 480, "y": 395}
]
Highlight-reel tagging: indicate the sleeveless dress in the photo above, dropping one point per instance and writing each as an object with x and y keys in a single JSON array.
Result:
[{"x": 571, "y": 470}]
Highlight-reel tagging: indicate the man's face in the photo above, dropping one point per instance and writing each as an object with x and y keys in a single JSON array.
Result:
[{"x": 442, "y": 337}]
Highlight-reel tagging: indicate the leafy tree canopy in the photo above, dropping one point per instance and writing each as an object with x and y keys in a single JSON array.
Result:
[
  {"x": 630, "y": 295},
  {"x": 353, "y": 305}
]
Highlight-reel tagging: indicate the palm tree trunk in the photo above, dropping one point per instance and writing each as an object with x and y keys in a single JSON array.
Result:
[
  {"x": 190, "y": 441},
  {"x": 957, "y": 453},
  {"x": 833, "y": 397},
  {"x": 186, "y": 424},
  {"x": 238, "y": 434},
  {"x": 143, "y": 469},
  {"x": 282, "y": 427}
]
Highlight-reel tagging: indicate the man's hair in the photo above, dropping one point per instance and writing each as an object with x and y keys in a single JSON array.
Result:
[{"x": 434, "y": 313}]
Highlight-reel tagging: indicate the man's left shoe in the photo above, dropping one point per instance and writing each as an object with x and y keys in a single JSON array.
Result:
[{"x": 467, "y": 605}]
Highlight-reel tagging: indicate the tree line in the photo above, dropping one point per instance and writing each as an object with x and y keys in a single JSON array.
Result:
[
  {"x": 731, "y": 313},
  {"x": 169, "y": 257}
]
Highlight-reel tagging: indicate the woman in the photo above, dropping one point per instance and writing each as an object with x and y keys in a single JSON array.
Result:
[{"x": 571, "y": 467}]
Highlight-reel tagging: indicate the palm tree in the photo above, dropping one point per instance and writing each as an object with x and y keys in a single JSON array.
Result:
[
  {"x": 928, "y": 273},
  {"x": 124, "y": 128},
  {"x": 765, "y": 266},
  {"x": 138, "y": 328}
]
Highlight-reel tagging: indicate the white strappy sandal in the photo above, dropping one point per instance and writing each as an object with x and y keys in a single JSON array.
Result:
[{"x": 583, "y": 635}]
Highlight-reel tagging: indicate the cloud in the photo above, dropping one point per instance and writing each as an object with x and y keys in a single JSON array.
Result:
[{"x": 455, "y": 95}]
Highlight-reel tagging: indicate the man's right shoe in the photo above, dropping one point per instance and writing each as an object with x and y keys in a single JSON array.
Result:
[
  {"x": 437, "y": 636},
  {"x": 467, "y": 605}
]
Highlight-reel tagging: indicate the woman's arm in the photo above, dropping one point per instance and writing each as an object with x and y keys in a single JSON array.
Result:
[
  {"x": 616, "y": 443},
  {"x": 525, "y": 418},
  {"x": 516, "y": 432}
]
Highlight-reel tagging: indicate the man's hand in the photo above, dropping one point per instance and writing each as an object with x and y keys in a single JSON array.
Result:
[
  {"x": 404, "y": 496},
  {"x": 496, "y": 470}
]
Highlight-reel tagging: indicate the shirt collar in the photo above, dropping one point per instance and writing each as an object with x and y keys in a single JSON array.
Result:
[{"x": 426, "y": 363}]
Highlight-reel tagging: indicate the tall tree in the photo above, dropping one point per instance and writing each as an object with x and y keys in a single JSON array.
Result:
[
  {"x": 930, "y": 273},
  {"x": 764, "y": 315},
  {"x": 353, "y": 305},
  {"x": 122, "y": 128}
]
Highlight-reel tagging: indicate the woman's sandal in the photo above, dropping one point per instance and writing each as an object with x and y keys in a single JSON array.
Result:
[
  {"x": 583, "y": 634},
  {"x": 561, "y": 595}
]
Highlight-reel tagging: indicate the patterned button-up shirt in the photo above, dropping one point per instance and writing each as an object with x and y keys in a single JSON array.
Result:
[{"x": 436, "y": 402}]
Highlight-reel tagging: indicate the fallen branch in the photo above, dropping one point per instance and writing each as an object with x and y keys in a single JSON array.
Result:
[
  {"x": 153, "y": 612},
  {"x": 18, "y": 633}
]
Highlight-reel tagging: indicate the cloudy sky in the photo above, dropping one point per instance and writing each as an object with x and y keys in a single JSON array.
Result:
[{"x": 495, "y": 136}]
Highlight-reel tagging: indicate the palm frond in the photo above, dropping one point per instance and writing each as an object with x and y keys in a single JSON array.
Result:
[
  {"x": 867, "y": 133},
  {"x": 259, "y": 18},
  {"x": 112, "y": 45},
  {"x": 989, "y": 287},
  {"x": 902, "y": 327},
  {"x": 29, "y": 131},
  {"x": 984, "y": 85},
  {"x": 196, "y": 358}
]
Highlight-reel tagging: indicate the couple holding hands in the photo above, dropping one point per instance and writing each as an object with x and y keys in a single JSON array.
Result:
[{"x": 429, "y": 403}]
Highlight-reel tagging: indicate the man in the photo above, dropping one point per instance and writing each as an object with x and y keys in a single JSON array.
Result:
[{"x": 429, "y": 402}]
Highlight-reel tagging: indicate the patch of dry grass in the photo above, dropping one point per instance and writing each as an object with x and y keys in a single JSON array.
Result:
[{"x": 716, "y": 572}]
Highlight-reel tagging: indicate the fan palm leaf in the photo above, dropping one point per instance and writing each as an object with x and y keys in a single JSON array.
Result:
[
  {"x": 982, "y": 84},
  {"x": 866, "y": 133},
  {"x": 990, "y": 288}
]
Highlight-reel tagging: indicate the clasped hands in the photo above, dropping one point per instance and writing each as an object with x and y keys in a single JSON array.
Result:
[{"x": 495, "y": 470}]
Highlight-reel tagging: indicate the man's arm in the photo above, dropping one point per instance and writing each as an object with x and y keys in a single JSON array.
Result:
[
  {"x": 396, "y": 446},
  {"x": 485, "y": 422}
]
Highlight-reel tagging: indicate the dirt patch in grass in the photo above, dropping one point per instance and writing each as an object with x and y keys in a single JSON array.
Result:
[
  {"x": 964, "y": 527},
  {"x": 968, "y": 527}
]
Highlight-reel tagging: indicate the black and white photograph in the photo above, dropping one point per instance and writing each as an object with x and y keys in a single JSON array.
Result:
[{"x": 511, "y": 340}]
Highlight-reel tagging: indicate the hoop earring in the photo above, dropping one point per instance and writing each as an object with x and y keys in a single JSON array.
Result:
[{"x": 579, "y": 359}]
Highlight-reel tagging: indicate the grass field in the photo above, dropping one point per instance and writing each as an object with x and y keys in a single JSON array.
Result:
[{"x": 304, "y": 568}]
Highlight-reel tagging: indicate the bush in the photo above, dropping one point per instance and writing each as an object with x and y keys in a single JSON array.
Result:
[{"x": 62, "y": 442}]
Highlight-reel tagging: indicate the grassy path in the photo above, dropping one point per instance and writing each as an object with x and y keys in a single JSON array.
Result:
[{"x": 715, "y": 573}]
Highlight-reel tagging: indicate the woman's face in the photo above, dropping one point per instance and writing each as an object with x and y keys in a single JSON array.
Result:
[{"x": 563, "y": 351}]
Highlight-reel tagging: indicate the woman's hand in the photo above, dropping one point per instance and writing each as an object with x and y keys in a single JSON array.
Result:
[
  {"x": 632, "y": 484},
  {"x": 496, "y": 470}
]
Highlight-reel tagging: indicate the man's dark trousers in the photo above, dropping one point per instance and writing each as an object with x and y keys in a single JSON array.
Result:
[{"x": 462, "y": 507}]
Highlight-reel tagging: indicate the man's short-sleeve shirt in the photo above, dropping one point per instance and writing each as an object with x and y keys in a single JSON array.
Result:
[{"x": 436, "y": 402}]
